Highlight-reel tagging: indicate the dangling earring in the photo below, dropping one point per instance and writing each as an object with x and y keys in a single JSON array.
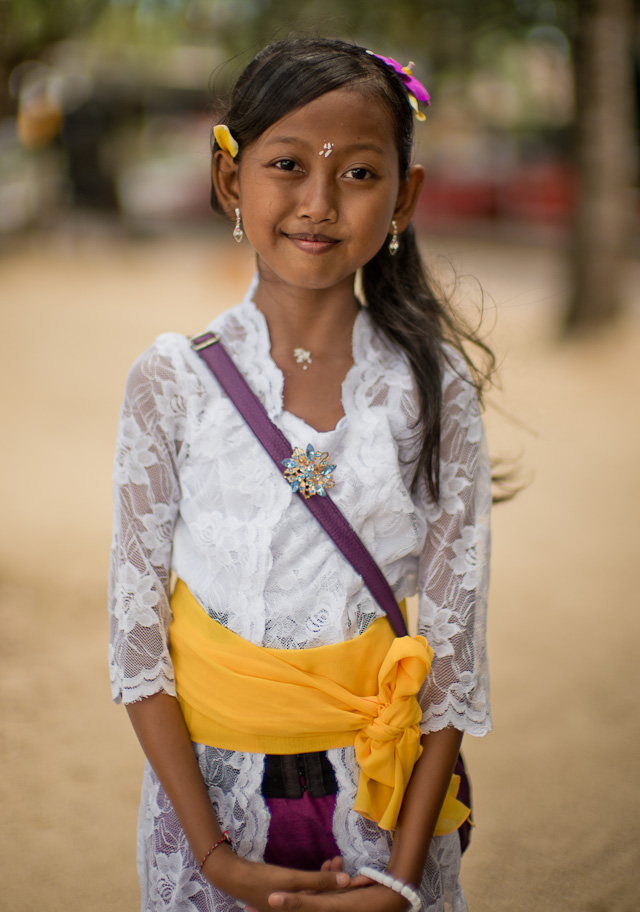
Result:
[
  {"x": 238, "y": 233},
  {"x": 394, "y": 242}
]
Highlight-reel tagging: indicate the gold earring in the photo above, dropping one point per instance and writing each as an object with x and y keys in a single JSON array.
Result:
[
  {"x": 394, "y": 243},
  {"x": 238, "y": 233}
]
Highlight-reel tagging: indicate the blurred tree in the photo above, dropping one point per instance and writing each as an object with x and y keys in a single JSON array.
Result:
[
  {"x": 444, "y": 32},
  {"x": 605, "y": 158},
  {"x": 27, "y": 27}
]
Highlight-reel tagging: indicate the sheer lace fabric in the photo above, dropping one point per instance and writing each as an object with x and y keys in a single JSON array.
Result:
[
  {"x": 197, "y": 495},
  {"x": 169, "y": 875}
]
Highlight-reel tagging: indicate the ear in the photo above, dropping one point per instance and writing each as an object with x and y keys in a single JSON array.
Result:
[
  {"x": 408, "y": 195},
  {"x": 224, "y": 174}
]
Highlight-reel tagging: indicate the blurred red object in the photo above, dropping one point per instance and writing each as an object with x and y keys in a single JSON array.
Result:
[
  {"x": 540, "y": 193},
  {"x": 544, "y": 192}
]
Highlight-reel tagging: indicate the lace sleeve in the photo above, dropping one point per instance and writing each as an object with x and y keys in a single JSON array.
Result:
[
  {"x": 146, "y": 496},
  {"x": 453, "y": 574}
]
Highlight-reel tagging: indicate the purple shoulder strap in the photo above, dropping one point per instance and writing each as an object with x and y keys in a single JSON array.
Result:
[{"x": 215, "y": 356}]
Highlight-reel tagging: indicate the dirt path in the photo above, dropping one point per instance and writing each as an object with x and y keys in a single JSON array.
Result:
[{"x": 556, "y": 783}]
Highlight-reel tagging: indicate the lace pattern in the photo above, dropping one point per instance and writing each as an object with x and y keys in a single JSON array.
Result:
[
  {"x": 195, "y": 494},
  {"x": 453, "y": 571},
  {"x": 169, "y": 873}
]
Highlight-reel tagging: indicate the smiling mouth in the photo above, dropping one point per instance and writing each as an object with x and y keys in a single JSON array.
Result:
[{"x": 312, "y": 238}]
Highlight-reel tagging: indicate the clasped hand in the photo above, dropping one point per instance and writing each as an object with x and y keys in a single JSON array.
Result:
[{"x": 265, "y": 888}]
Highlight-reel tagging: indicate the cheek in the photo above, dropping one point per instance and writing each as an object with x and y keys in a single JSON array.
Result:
[
  {"x": 262, "y": 205},
  {"x": 378, "y": 224}
]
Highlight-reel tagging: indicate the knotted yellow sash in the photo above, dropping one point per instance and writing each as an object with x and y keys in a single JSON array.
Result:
[{"x": 239, "y": 696}]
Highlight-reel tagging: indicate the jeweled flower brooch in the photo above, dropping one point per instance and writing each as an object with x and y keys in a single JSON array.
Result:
[{"x": 309, "y": 472}]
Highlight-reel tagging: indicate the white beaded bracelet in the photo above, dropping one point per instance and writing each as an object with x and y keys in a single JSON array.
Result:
[{"x": 398, "y": 886}]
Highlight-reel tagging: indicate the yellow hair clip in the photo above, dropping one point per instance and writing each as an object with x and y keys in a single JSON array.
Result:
[
  {"x": 225, "y": 140},
  {"x": 414, "y": 104}
]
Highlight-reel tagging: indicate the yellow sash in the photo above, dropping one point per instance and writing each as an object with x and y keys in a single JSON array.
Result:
[{"x": 239, "y": 696}]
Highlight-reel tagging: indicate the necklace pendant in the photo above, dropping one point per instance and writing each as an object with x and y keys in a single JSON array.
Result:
[{"x": 302, "y": 357}]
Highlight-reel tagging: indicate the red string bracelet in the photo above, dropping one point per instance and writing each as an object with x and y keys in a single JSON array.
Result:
[{"x": 225, "y": 838}]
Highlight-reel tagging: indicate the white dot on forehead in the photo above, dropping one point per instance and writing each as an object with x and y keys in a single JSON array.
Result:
[{"x": 327, "y": 149}]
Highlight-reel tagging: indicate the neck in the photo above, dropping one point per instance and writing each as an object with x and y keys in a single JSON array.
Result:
[{"x": 320, "y": 321}]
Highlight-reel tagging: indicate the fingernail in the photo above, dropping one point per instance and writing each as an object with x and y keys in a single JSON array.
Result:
[
  {"x": 343, "y": 880},
  {"x": 276, "y": 900}
]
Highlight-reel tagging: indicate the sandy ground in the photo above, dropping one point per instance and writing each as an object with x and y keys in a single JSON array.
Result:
[{"x": 556, "y": 784}]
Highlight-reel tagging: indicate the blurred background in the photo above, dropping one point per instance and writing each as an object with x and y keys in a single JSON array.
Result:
[{"x": 530, "y": 212}]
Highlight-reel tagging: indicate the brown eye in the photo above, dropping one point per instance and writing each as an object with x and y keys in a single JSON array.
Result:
[
  {"x": 285, "y": 164},
  {"x": 359, "y": 174}
]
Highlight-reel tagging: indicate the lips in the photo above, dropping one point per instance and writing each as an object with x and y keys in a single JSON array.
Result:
[
  {"x": 312, "y": 243},
  {"x": 315, "y": 238}
]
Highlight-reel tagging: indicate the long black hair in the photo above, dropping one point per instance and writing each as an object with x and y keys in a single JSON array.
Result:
[{"x": 398, "y": 293}]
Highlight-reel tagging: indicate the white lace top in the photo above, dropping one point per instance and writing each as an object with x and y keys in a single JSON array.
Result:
[{"x": 196, "y": 494}]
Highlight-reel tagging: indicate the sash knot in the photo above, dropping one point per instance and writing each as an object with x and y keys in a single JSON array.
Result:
[{"x": 389, "y": 745}]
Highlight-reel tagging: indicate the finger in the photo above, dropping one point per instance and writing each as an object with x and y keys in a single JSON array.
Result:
[
  {"x": 305, "y": 902},
  {"x": 317, "y": 881},
  {"x": 361, "y": 881},
  {"x": 332, "y": 864},
  {"x": 278, "y": 900},
  {"x": 294, "y": 902},
  {"x": 337, "y": 878}
]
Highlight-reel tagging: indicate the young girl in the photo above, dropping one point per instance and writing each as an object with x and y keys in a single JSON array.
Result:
[{"x": 250, "y": 797}]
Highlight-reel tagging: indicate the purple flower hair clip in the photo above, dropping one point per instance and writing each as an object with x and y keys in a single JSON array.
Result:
[{"x": 415, "y": 90}]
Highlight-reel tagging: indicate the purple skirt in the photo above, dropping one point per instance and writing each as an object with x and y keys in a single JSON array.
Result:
[
  {"x": 301, "y": 829},
  {"x": 301, "y": 832}
]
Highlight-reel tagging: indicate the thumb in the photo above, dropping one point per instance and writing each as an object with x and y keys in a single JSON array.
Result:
[
  {"x": 317, "y": 882},
  {"x": 332, "y": 880}
]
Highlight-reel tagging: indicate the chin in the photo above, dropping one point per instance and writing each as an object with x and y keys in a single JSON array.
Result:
[{"x": 293, "y": 278}]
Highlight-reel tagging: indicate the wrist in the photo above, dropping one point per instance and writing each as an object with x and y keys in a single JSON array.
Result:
[
  {"x": 400, "y": 887},
  {"x": 217, "y": 864},
  {"x": 225, "y": 838}
]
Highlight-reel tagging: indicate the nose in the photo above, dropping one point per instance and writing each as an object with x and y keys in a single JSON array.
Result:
[{"x": 317, "y": 200}]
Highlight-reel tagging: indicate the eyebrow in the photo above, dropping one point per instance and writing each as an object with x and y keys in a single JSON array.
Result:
[{"x": 352, "y": 147}]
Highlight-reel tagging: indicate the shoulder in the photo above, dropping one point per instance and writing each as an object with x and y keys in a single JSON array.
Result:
[
  {"x": 161, "y": 376},
  {"x": 170, "y": 364},
  {"x": 163, "y": 360},
  {"x": 380, "y": 355}
]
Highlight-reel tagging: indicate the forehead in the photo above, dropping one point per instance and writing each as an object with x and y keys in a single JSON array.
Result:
[{"x": 346, "y": 116}]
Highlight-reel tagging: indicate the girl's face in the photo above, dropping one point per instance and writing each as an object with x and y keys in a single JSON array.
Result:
[{"x": 319, "y": 188}]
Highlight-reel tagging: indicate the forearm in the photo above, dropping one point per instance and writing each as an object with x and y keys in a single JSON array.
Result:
[
  {"x": 163, "y": 735},
  {"x": 422, "y": 803}
]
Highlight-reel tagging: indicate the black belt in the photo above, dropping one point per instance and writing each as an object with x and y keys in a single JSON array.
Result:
[{"x": 291, "y": 775}]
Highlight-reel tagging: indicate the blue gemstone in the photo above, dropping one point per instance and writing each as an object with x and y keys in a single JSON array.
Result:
[
  {"x": 289, "y": 463},
  {"x": 320, "y": 491},
  {"x": 310, "y": 452},
  {"x": 295, "y": 485}
]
